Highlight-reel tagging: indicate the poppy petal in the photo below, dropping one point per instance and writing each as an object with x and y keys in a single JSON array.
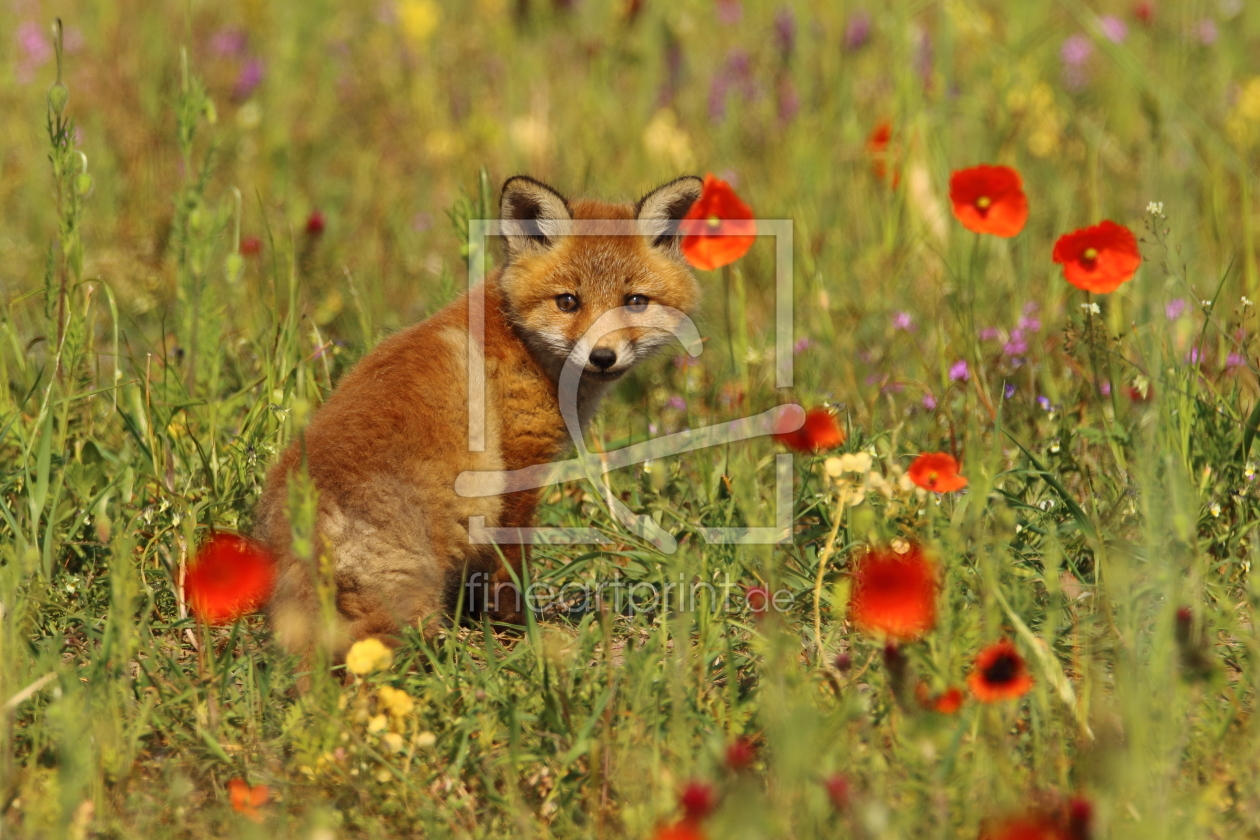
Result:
[
  {"x": 719, "y": 228},
  {"x": 989, "y": 199}
]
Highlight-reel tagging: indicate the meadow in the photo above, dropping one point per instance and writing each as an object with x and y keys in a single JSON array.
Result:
[{"x": 210, "y": 211}]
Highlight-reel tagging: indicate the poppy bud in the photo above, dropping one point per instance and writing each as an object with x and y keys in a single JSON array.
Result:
[{"x": 58, "y": 96}]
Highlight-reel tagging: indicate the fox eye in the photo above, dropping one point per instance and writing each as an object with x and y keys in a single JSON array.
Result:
[
  {"x": 636, "y": 303},
  {"x": 567, "y": 302}
]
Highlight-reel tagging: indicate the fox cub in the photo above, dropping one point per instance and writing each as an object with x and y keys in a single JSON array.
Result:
[{"x": 384, "y": 452}]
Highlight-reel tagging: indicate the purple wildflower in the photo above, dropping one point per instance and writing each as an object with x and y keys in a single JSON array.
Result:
[
  {"x": 1104, "y": 388},
  {"x": 1044, "y": 402},
  {"x": 1113, "y": 29},
  {"x": 929, "y": 401},
  {"x": 857, "y": 31},
  {"x": 1017, "y": 346},
  {"x": 717, "y": 99},
  {"x": 1205, "y": 30},
  {"x": 673, "y": 71},
  {"x": 229, "y": 42},
  {"x": 923, "y": 54},
  {"x": 1008, "y": 391},
  {"x": 677, "y": 403},
  {"x": 250, "y": 77},
  {"x": 801, "y": 345},
  {"x": 1233, "y": 360},
  {"x": 1030, "y": 323},
  {"x": 785, "y": 33},
  {"x": 737, "y": 76},
  {"x": 36, "y": 50},
  {"x": 959, "y": 372},
  {"x": 730, "y": 12},
  {"x": 1193, "y": 356},
  {"x": 1075, "y": 52},
  {"x": 988, "y": 333},
  {"x": 902, "y": 321},
  {"x": 789, "y": 99},
  {"x": 1174, "y": 308}
]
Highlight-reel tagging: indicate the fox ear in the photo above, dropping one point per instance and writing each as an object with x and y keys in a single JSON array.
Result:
[
  {"x": 529, "y": 210},
  {"x": 660, "y": 211}
]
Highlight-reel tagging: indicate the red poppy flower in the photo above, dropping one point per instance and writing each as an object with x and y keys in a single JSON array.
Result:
[
  {"x": 838, "y": 791},
  {"x": 948, "y": 702},
  {"x": 999, "y": 674},
  {"x": 697, "y": 800},
  {"x": 684, "y": 830},
  {"x": 251, "y": 246},
  {"x": 819, "y": 431},
  {"x": 1031, "y": 827},
  {"x": 989, "y": 199},
  {"x": 882, "y": 157},
  {"x": 894, "y": 594},
  {"x": 246, "y": 799},
  {"x": 741, "y": 754},
  {"x": 229, "y": 577},
  {"x": 1099, "y": 258},
  {"x": 315, "y": 224},
  {"x": 1070, "y": 820},
  {"x": 936, "y": 471},
  {"x": 719, "y": 228}
]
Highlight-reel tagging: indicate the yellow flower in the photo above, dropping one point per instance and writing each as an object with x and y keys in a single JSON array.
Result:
[
  {"x": 378, "y": 724},
  {"x": 395, "y": 701},
  {"x": 418, "y": 19},
  {"x": 368, "y": 655},
  {"x": 665, "y": 140}
]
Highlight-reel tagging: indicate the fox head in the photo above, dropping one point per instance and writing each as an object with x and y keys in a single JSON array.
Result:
[{"x": 597, "y": 283}]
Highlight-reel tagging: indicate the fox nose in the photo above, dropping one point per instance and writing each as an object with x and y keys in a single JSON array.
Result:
[{"x": 603, "y": 358}]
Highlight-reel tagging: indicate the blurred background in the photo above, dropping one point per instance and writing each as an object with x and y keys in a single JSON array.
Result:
[{"x": 365, "y": 124}]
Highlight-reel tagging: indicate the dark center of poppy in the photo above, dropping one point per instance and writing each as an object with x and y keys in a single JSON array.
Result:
[
  {"x": 1088, "y": 256},
  {"x": 714, "y": 223},
  {"x": 1002, "y": 671},
  {"x": 983, "y": 203}
]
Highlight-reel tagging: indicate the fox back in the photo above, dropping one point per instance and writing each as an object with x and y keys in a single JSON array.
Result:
[{"x": 592, "y": 286}]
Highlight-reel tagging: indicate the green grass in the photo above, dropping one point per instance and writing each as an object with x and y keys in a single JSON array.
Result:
[{"x": 150, "y": 376}]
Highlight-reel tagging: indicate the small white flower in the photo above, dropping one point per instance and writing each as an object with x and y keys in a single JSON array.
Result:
[
  {"x": 1215, "y": 509},
  {"x": 1155, "y": 208},
  {"x": 1207, "y": 304},
  {"x": 1247, "y": 302},
  {"x": 1091, "y": 308},
  {"x": 1054, "y": 447}
]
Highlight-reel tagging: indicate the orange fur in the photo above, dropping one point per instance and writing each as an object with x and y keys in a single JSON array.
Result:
[{"x": 385, "y": 450}]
